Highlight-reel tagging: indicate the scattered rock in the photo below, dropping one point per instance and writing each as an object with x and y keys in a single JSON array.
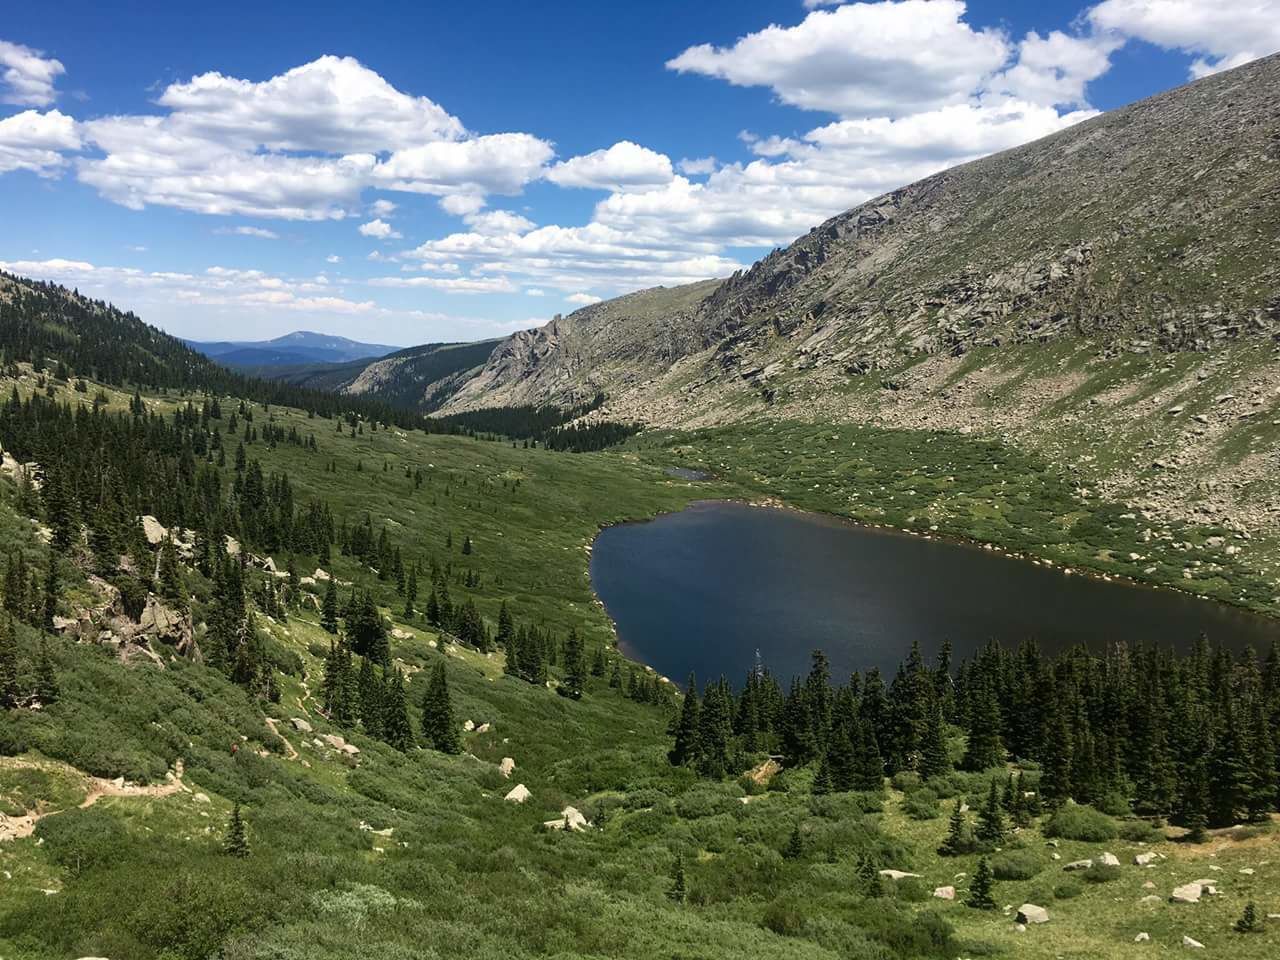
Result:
[
  {"x": 945, "y": 893},
  {"x": 1193, "y": 944},
  {"x": 519, "y": 794},
  {"x": 1187, "y": 893},
  {"x": 1109, "y": 860},
  {"x": 1029, "y": 913},
  {"x": 506, "y": 766},
  {"x": 762, "y": 774},
  {"x": 301, "y": 725},
  {"x": 469, "y": 726},
  {"x": 1079, "y": 865},
  {"x": 153, "y": 531},
  {"x": 570, "y": 819},
  {"x": 1144, "y": 859},
  {"x": 897, "y": 874},
  {"x": 1142, "y": 938},
  {"x": 201, "y": 798},
  {"x": 483, "y": 728}
]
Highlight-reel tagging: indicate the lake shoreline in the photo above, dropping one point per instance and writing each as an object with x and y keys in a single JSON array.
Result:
[{"x": 1224, "y": 621}]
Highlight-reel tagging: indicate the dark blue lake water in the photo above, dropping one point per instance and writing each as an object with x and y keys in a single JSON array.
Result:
[{"x": 705, "y": 588}]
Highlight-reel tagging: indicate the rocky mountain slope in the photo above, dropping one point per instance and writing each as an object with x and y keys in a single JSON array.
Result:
[{"x": 1109, "y": 294}]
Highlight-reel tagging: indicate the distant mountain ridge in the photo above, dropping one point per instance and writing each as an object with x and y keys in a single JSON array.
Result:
[
  {"x": 416, "y": 378},
  {"x": 301, "y": 346}
]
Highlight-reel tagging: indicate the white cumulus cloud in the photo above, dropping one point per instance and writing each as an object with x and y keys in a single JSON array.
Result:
[
  {"x": 35, "y": 141},
  {"x": 303, "y": 145},
  {"x": 27, "y": 76},
  {"x": 1220, "y": 33},
  {"x": 379, "y": 230},
  {"x": 623, "y": 166},
  {"x": 862, "y": 59}
]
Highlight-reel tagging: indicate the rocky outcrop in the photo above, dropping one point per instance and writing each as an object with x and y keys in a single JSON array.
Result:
[{"x": 108, "y": 623}]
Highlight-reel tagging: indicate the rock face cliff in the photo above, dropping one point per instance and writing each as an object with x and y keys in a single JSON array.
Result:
[
  {"x": 620, "y": 344},
  {"x": 1150, "y": 228}
]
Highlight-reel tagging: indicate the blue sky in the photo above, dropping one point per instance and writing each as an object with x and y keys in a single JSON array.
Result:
[{"x": 408, "y": 173}]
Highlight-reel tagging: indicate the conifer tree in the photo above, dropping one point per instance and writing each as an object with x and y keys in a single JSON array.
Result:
[
  {"x": 958, "y": 840},
  {"x": 934, "y": 760},
  {"x": 799, "y": 742},
  {"x": 842, "y": 761},
  {"x": 47, "y": 690},
  {"x": 411, "y": 593},
  {"x": 172, "y": 587},
  {"x": 372, "y": 709},
  {"x": 9, "y": 692},
  {"x": 822, "y": 780},
  {"x": 52, "y": 592},
  {"x": 1248, "y": 922},
  {"x": 438, "y": 725},
  {"x": 329, "y": 609},
  {"x": 991, "y": 828},
  {"x": 1196, "y": 800},
  {"x": 1229, "y": 769},
  {"x": 684, "y": 750},
  {"x": 1056, "y": 756},
  {"x": 397, "y": 730},
  {"x": 715, "y": 730},
  {"x": 575, "y": 666},
  {"x": 980, "y": 897},
  {"x": 506, "y": 629},
  {"x": 677, "y": 892},
  {"x": 794, "y": 848},
  {"x": 984, "y": 749},
  {"x": 869, "y": 772},
  {"x": 236, "y": 842},
  {"x": 1261, "y": 799},
  {"x": 869, "y": 877}
]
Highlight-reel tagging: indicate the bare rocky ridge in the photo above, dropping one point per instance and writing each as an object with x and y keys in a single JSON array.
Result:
[{"x": 1066, "y": 295}]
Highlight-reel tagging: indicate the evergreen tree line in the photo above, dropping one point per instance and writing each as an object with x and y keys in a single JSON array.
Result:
[
  {"x": 548, "y": 425},
  {"x": 1186, "y": 736}
]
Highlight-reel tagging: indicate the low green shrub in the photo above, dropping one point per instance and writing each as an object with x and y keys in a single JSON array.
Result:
[
  {"x": 1068, "y": 888},
  {"x": 1080, "y": 822},
  {"x": 1016, "y": 865},
  {"x": 922, "y": 805},
  {"x": 1101, "y": 873},
  {"x": 784, "y": 916},
  {"x": 1139, "y": 831}
]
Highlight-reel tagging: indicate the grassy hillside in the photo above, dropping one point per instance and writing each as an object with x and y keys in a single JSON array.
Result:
[{"x": 397, "y": 855}]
